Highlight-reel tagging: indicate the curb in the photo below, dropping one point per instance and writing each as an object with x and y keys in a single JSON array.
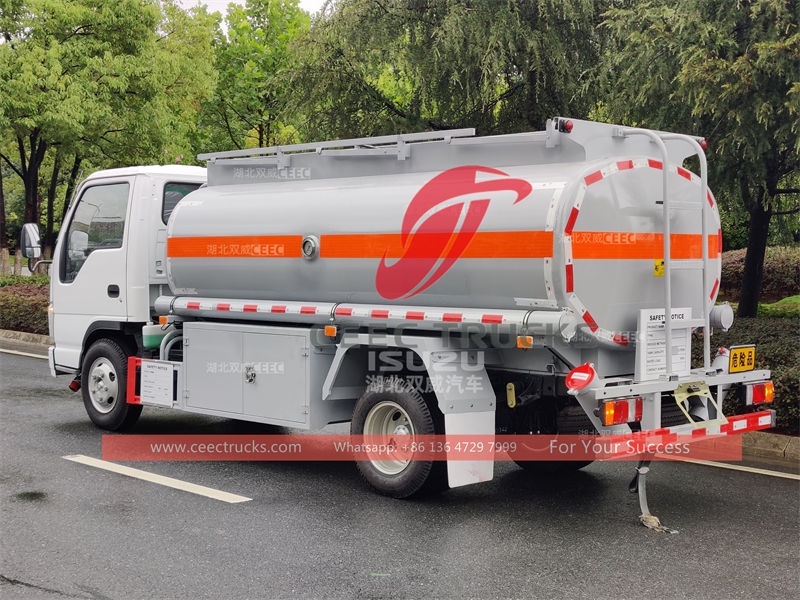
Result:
[
  {"x": 774, "y": 446},
  {"x": 25, "y": 338}
]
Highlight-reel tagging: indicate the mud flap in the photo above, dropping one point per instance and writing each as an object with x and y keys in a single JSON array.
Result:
[{"x": 464, "y": 472}]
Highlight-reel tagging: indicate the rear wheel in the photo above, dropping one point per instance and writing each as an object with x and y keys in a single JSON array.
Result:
[
  {"x": 103, "y": 384},
  {"x": 549, "y": 420},
  {"x": 393, "y": 411}
]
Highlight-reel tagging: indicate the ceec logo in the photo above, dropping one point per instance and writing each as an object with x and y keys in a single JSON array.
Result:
[{"x": 439, "y": 224}]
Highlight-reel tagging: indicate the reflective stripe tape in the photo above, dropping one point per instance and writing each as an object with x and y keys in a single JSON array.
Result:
[
  {"x": 714, "y": 289},
  {"x": 492, "y": 319},
  {"x": 621, "y": 339},
  {"x": 350, "y": 313},
  {"x": 573, "y": 216},
  {"x": 587, "y": 317},
  {"x": 593, "y": 177},
  {"x": 570, "y": 282}
]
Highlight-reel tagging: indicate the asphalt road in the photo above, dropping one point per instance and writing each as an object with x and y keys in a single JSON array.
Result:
[{"x": 313, "y": 530}]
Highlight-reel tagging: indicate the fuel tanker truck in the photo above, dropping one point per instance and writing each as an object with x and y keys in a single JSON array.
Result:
[{"x": 430, "y": 284}]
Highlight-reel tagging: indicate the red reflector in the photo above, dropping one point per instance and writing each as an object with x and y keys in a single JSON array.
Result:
[
  {"x": 763, "y": 393},
  {"x": 638, "y": 411},
  {"x": 580, "y": 377},
  {"x": 704, "y": 144}
]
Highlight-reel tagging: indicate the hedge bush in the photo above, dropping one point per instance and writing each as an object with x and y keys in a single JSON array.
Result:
[
  {"x": 781, "y": 273},
  {"x": 23, "y": 303},
  {"x": 776, "y": 341}
]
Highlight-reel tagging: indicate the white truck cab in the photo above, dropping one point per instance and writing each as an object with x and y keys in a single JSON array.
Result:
[{"x": 110, "y": 261}]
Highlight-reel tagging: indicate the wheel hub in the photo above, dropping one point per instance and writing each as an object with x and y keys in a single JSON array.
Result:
[
  {"x": 103, "y": 385},
  {"x": 388, "y": 420}
]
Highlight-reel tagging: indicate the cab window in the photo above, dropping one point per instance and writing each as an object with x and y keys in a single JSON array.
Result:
[
  {"x": 173, "y": 192},
  {"x": 98, "y": 223}
]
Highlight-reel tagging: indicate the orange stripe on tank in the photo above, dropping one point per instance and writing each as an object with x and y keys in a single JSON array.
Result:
[
  {"x": 624, "y": 245},
  {"x": 240, "y": 246},
  {"x": 602, "y": 245},
  {"x": 484, "y": 244}
]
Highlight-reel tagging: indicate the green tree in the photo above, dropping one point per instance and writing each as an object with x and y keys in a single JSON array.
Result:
[
  {"x": 250, "y": 105},
  {"x": 730, "y": 71},
  {"x": 117, "y": 81},
  {"x": 371, "y": 67}
]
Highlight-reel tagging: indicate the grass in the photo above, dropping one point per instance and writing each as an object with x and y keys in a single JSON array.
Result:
[{"x": 786, "y": 308}]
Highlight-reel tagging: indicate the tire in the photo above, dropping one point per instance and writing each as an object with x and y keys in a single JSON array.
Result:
[
  {"x": 570, "y": 420},
  {"x": 104, "y": 376},
  {"x": 391, "y": 408}
]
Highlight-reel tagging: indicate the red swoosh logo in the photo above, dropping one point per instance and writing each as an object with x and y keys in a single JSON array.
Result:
[{"x": 432, "y": 244}]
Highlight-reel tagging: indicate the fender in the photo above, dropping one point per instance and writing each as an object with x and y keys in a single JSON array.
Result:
[{"x": 463, "y": 391}]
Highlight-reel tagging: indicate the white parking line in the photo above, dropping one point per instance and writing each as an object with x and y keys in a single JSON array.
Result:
[
  {"x": 177, "y": 484},
  {"x": 709, "y": 463},
  {"x": 23, "y": 353}
]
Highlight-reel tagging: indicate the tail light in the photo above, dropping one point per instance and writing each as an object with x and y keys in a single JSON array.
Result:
[
  {"x": 760, "y": 393},
  {"x": 619, "y": 412}
]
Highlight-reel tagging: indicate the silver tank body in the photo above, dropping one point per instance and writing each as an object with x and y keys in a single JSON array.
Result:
[{"x": 584, "y": 236}]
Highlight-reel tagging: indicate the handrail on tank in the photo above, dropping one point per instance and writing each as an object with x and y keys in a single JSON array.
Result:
[
  {"x": 658, "y": 138},
  {"x": 397, "y": 139},
  {"x": 701, "y": 155}
]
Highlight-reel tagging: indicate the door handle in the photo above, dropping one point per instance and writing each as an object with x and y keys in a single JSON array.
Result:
[{"x": 113, "y": 291}]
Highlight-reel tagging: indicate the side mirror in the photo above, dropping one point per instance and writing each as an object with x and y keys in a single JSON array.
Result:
[{"x": 30, "y": 243}]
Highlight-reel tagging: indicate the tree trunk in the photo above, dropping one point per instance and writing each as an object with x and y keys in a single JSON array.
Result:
[
  {"x": 30, "y": 173},
  {"x": 51, "y": 198},
  {"x": 5, "y": 265},
  {"x": 18, "y": 260},
  {"x": 757, "y": 234},
  {"x": 71, "y": 183}
]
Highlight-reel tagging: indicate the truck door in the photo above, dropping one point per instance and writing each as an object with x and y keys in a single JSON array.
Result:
[{"x": 91, "y": 266}]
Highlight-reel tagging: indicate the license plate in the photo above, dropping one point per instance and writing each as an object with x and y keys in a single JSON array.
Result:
[{"x": 742, "y": 358}]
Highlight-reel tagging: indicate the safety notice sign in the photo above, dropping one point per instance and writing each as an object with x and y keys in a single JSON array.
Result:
[{"x": 651, "y": 361}]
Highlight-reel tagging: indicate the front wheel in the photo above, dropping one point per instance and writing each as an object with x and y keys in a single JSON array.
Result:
[
  {"x": 104, "y": 376},
  {"x": 395, "y": 412}
]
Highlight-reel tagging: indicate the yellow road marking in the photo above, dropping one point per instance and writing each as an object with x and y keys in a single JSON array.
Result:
[
  {"x": 710, "y": 463},
  {"x": 23, "y": 353}
]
